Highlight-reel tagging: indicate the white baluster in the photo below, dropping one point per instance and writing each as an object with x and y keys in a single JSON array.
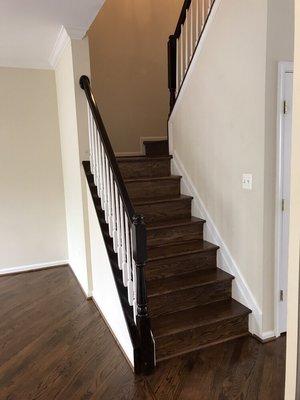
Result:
[
  {"x": 191, "y": 31},
  {"x": 109, "y": 198},
  {"x": 123, "y": 241},
  {"x": 177, "y": 65},
  {"x": 197, "y": 17},
  {"x": 97, "y": 159},
  {"x": 186, "y": 42},
  {"x": 105, "y": 187},
  {"x": 108, "y": 202},
  {"x": 114, "y": 217},
  {"x": 181, "y": 54},
  {"x": 102, "y": 175},
  {"x": 134, "y": 301},
  {"x": 202, "y": 14},
  {"x": 90, "y": 134},
  {"x": 119, "y": 243},
  {"x": 128, "y": 256},
  {"x": 92, "y": 146}
]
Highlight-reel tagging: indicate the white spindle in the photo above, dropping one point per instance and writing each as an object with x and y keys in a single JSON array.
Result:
[
  {"x": 181, "y": 54},
  {"x": 92, "y": 147},
  {"x": 191, "y": 31},
  {"x": 90, "y": 134},
  {"x": 114, "y": 218},
  {"x": 119, "y": 243},
  {"x": 110, "y": 203},
  {"x": 106, "y": 188},
  {"x": 177, "y": 66},
  {"x": 102, "y": 175},
  {"x": 97, "y": 158},
  {"x": 134, "y": 301},
  {"x": 202, "y": 14},
  {"x": 128, "y": 254},
  {"x": 197, "y": 21},
  {"x": 123, "y": 241},
  {"x": 186, "y": 44}
]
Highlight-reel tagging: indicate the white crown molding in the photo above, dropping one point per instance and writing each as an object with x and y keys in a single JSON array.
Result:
[
  {"x": 32, "y": 267},
  {"x": 60, "y": 44}
]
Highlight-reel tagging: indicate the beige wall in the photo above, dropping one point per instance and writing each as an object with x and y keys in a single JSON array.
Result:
[
  {"x": 294, "y": 233},
  {"x": 128, "y": 50},
  {"x": 225, "y": 125},
  {"x": 32, "y": 209},
  {"x": 72, "y": 112}
]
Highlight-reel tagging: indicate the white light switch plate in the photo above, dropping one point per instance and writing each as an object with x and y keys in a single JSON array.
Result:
[{"x": 247, "y": 181}]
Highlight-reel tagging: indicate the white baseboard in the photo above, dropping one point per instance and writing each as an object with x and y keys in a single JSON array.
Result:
[
  {"x": 265, "y": 336},
  {"x": 240, "y": 290},
  {"x": 32, "y": 267}
]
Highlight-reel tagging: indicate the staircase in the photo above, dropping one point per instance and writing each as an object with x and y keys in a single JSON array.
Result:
[{"x": 189, "y": 298}]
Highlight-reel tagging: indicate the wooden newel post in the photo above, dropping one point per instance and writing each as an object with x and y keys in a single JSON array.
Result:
[
  {"x": 172, "y": 59},
  {"x": 139, "y": 247}
]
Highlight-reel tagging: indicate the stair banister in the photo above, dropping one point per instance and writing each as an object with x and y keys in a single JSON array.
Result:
[
  {"x": 182, "y": 44},
  {"x": 126, "y": 227}
]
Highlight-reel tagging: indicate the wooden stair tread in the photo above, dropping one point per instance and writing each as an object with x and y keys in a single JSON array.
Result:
[
  {"x": 163, "y": 286},
  {"x": 142, "y": 158},
  {"x": 174, "y": 223},
  {"x": 192, "y": 318},
  {"x": 157, "y": 200},
  {"x": 173, "y": 250},
  {"x": 155, "y": 179}
]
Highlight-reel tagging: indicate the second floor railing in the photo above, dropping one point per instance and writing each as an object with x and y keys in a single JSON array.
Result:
[
  {"x": 126, "y": 228},
  {"x": 183, "y": 43}
]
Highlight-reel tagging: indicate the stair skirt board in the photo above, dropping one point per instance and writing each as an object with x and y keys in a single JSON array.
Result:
[{"x": 241, "y": 291}]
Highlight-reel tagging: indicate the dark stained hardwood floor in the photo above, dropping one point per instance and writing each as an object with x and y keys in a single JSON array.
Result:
[{"x": 55, "y": 345}]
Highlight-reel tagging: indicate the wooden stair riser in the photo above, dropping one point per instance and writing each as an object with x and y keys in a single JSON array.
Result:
[
  {"x": 145, "y": 169},
  {"x": 189, "y": 298},
  {"x": 156, "y": 148},
  {"x": 172, "y": 266},
  {"x": 159, "y": 212},
  {"x": 154, "y": 188},
  {"x": 202, "y": 336},
  {"x": 175, "y": 234}
]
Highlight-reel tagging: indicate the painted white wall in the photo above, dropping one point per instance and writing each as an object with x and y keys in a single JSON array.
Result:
[
  {"x": 72, "y": 110},
  {"x": 224, "y": 125},
  {"x": 32, "y": 209},
  {"x": 104, "y": 289}
]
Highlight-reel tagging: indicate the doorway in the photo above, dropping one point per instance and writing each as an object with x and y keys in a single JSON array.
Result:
[{"x": 284, "y": 133}]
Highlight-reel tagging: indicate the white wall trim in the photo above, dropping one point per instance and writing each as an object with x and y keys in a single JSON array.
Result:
[
  {"x": 241, "y": 291},
  {"x": 32, "y": 267},
  {"x": 197, "y": 54},
  {"x": 60, "y": 44},
  {"x": 283, "y": 67}
]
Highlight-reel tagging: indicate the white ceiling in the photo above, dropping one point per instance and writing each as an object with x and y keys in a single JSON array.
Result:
[{"x": 29, "y": 28}]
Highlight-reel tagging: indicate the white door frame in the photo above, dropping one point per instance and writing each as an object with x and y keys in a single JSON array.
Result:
[{"x": 283, "y": 68}]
